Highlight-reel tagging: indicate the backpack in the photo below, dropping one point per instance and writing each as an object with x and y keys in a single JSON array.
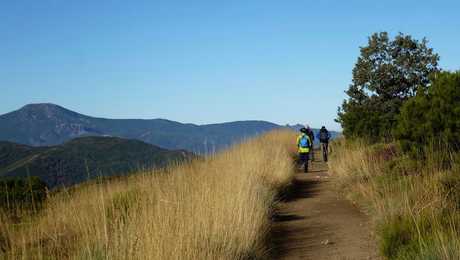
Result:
[
  {"x": 323, "y": 136},
  {"x": 304, "y": 142}
]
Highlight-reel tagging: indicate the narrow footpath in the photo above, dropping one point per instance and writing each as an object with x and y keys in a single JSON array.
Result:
[{"x": 314, "y": 222}]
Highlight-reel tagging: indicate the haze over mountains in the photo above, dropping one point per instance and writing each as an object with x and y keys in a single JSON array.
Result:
[{"x": 49, "y": 124}]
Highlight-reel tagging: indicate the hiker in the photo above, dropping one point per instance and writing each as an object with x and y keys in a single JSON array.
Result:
[
  {"x": 312, "y": 139},
  {"x": 303, "y": 144},
  {"x": 324, "y": 137}
]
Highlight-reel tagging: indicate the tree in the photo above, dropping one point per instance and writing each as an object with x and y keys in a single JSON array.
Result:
[
  {"x": 387, "y": 73},
  {"x": 433, "y": 115}
]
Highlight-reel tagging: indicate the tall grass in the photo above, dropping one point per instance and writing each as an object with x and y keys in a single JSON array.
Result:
[
  {"x": 213, "y": 208},
  {"x": 415, "y": 203}
]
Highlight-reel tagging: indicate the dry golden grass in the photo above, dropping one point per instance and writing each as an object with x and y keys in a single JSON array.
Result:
[
  {"x": 213, "y": 208},
  {"x": 412, "y": 202}
]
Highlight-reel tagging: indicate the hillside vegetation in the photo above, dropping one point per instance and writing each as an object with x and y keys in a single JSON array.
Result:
[
  {"x": 400, "y": 158},
  {"x": 49, "y": 124},
  {"x": 415, "y": 204},
  {"x": 213, "y": 208},
  {"x": 83, "y": 159}
]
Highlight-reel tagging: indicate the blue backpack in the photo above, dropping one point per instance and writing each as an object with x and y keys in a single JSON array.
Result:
[{"x": 304, "y": 142}]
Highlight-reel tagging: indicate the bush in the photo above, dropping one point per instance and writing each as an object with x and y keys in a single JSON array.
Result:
[{"x": 432, "y": 117}]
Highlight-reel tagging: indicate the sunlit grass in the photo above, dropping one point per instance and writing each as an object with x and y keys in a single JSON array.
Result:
[
  {"x": 414, "y": 203},
  {"x": 213, "y": 208}
]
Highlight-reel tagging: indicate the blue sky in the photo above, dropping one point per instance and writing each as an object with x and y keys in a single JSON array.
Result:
[{"x": 203, "y": 61}]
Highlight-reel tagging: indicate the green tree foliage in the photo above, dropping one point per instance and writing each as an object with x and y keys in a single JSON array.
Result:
[
  {"x": 387, "y": 73},
  {"x": 433, "y": 114}
]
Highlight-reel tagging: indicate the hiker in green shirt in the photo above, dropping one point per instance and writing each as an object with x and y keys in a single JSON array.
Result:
[{"x": 304, "y": 145}]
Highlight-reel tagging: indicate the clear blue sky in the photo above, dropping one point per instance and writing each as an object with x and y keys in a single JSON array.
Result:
[{"x": 203, "y": 61}]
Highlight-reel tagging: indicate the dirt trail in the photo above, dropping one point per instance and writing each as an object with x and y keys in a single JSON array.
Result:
[{"x": 313, "y": 222}]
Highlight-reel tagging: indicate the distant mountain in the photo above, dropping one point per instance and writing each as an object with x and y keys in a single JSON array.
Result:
[
  {"x": 49, "y": 124},
  {"x": 83, "y": 158}
]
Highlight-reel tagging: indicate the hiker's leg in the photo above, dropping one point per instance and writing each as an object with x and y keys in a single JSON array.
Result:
[
  {"x": 324, "y": 150},
  {"x": 303, "y": 159},
  {"x": 300, "y": 160},
  {"x": 306, "y": 162}
]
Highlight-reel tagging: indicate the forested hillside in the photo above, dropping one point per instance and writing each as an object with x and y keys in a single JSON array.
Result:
[{"x": 83, "y": 159}]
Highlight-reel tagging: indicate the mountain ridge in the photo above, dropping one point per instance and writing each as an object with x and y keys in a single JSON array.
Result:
[{"x": 46, "y": 124}]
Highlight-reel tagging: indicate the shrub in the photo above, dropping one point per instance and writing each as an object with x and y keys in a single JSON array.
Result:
[{"x": 432, "y": 117}]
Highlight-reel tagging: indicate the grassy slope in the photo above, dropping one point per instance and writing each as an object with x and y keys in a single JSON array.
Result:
[
  {"x": 214, "y": 208},
  {"x": 415, "y": 204}
]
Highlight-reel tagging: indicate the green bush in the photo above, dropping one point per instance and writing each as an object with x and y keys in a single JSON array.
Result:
[{"x": 432, "y": 117}]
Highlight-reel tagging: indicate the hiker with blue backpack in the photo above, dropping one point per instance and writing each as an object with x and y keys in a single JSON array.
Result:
[{"x": 304, "y": 145}]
